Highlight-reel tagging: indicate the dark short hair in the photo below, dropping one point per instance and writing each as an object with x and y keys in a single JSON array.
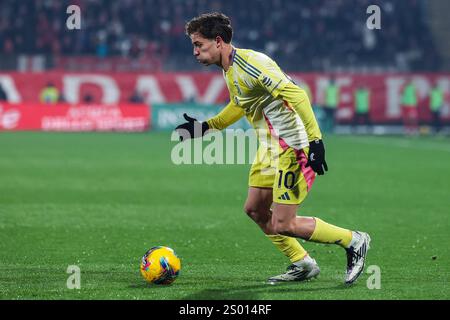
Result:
[{"x": 211, "y": 25}]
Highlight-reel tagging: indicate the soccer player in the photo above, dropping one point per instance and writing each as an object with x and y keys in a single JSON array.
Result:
[
  {"x": 410, "y": 107},
  {"x": 436, "y": 105},
  {"x": 332, "y": 100},
  {"x": 276, "y": 107},
  {"x": 362, "y": 106}
]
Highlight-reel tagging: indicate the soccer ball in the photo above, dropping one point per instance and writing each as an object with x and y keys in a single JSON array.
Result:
[{"x": 160, "y": 265}]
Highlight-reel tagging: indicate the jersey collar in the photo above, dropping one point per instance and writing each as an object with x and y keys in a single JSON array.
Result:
[{"x": 233, "y": 52}]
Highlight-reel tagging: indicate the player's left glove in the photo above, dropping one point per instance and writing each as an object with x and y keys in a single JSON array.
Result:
[
  {"x": 316, "y": 157},
  {"x": 191, "y": 129}
]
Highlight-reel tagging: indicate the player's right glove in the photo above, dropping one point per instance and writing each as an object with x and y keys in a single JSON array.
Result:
[
  {"x": 316, "y": 157},
  {"x": 191, "y": 129}
]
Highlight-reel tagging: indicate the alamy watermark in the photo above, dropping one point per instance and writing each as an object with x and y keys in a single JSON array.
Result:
[
  {"x": 374, "y": 280},
  {"x": 374, "y": 20},
  {"x": 231, "y": 146},
  {"x": 74, "y": 280},
  {"x": 73, "y": 22}
]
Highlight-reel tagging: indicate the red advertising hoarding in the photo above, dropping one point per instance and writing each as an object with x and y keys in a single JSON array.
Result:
[
  {"x": 65, "y": 117},
  {"x": 210, "y": 88}
]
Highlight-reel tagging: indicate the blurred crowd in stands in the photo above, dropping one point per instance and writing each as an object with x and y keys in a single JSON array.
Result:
[{"x": 302, "y": 35}]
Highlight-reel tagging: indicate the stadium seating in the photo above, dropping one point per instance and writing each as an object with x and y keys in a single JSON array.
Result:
[{"x": 319, "y": 35}]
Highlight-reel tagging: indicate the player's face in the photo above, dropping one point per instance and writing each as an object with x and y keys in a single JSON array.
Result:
[{"x": 206, "y": 51}]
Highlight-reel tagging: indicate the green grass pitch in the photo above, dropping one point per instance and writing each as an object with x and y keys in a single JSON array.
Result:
[{"x": 99, "y": 201}]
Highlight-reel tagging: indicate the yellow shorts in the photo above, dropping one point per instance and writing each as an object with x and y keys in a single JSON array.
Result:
[{"x": 286, "y": 174}]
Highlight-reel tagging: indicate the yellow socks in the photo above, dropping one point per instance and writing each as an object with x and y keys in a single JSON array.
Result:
[
  {"x": 289, "y": 246},
  {"x": 327, "y": 233},
  {"x": 323, "y": 233}
]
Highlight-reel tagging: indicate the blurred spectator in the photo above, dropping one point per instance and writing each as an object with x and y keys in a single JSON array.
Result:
[
  {"x": 436, "y": 104},
  {"x": 62, "y": 98},
  {"x": 88, "y": 98},
  {"x": 136, "y": 97},
  {"x": 332, "y": 99},
  {"x": 49, "y": 94},
  {"x": 410, "y": 108},
  {"x": 362, "y": 106},
  {"x": 3, "y": 96},
  {"x": 192, "y": 98},
  {"x": 302, "y": 35}
]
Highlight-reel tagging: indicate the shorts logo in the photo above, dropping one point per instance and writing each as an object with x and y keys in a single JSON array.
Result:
[{"x": 284, "y": 196}]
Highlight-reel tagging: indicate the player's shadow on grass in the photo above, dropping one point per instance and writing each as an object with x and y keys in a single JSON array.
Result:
[
  {"x": 251, "y": 292},
  {"x": 244, "y": 292}
]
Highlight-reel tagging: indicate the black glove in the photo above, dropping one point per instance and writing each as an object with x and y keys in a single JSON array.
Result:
[
  {"x": 191, "y": 129},
  {"x": 316, "y": 157}
]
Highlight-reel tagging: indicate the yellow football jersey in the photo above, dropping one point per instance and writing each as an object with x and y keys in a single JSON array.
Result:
[{"x": 269, "y": 99}]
